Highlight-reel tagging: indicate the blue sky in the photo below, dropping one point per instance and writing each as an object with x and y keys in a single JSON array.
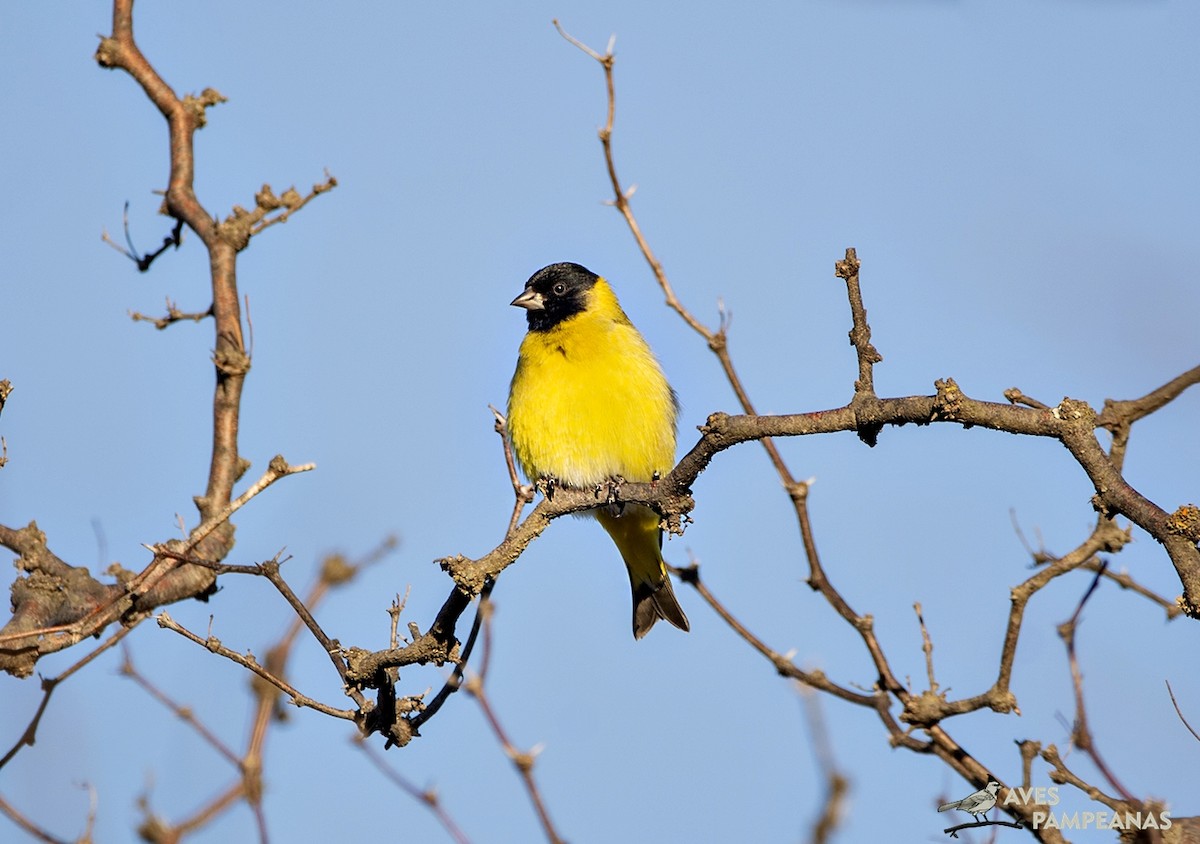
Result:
[{"x": 1020, "y": 183}]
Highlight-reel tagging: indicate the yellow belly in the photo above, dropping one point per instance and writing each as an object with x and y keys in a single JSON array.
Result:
[{"x": 590, "y": 402}]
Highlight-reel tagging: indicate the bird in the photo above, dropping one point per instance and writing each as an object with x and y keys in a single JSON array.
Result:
[
  {"x": 979, "y": 803},
  {"x": 589, "y": 404}
]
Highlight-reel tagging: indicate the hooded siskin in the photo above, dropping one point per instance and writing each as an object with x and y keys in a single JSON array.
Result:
[{"x": 589, "y": 402}]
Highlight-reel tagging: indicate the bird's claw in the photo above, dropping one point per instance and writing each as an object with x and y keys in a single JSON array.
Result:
[
  {"x": 547, "y": 484},
  {"x": 609, "y": 487}
]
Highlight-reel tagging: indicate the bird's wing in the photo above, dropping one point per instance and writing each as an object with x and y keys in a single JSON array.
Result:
[{"x": 973, "y": 801}]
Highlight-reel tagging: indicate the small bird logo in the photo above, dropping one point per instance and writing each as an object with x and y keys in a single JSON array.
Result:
[{"x": 977, "y": 804}]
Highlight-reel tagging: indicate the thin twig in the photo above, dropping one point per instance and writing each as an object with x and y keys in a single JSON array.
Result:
[
  {"x": 143, "y": 262},
  {"x": 837, "y": 785},
  {"x": 331, "y": 648},
  {"x": 1062, "y": 774},
  {"x": 1081, "y": 735},
  {"x": 782, "y": 662},
  {"x": 1015, "y": 396},
  {"x": 93, "y": 805},
  {"x": 427, "y": 797},
  {"x": 523, "y": 761},
  {"x": 276, "y": 469},
  {"x": 1130, "y": 410},
  {"x": 953, "y": 831},
  {"x": 1126, "y": 581},
  {"x": 394, "y": 612},
  {"x": 523, "y": 493},
  {"x": 173, "y": 316},
  {"x": 49, "y": 684},
  {"x": 210, "y": 811},
  {"x": 248, "y": 662},
  {"x": 183, "y": 713},
  {"x": 1118, "y": 416},
  {"x": 291, "y": 201},
  {"x": 1179, "y": 712},
  {"x": 14, "y": 815},
  {"x": 860, "y": 331},
  {"x": 926, "y": 646},
  {"x": 1106, "y": 536}
]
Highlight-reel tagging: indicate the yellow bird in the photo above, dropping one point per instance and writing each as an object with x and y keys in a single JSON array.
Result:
[{"x": 589, "y": 402}]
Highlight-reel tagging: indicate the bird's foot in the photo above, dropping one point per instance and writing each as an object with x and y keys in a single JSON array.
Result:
[
  {"x": 546, "y": 484},
  {"x": 607, "y": 489}
]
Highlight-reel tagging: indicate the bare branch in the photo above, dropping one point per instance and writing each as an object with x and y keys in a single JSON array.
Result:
[
  {"x": 860, "y": 334},
  {"x": 1081, "y": 735},
  {"x": 13, "y": 814},
  {"x": 927, "y": 647},
  {"x": 454, "y": 682},
  {"x": 49, "y": 684},
  {"x": 1017, "y": 397},
  {"x": 173, "y": 316},
  {"x": 523, "y": 493},
  {"x": 837, "y": 785},
  {"x": 1179, "y": 712},
  {"x": 1119, "y": 416},
  {"x": 276, "y": 469},
  {"x": 183, "y": 713},
  {"x": 427, "y": 797},
  {"x": 1122, "y": 413},
  {"x": 248, "y": 662},
  {"x": 815, "y": 679},
  {"x": 241, "y": 225},
  {"x": 1126, "y": 581},
  {"x": 143, "y": 262},
  {"x": 523, "y": 761}
]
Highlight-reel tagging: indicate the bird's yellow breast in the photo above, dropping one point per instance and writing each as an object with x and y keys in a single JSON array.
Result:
[{"x": 589, "y": 400}]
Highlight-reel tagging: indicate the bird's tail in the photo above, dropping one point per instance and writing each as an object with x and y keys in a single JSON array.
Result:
[
  {"x": 654, "y": 601},
  {"x": 946, "y": 807},
  {"x": 637, "y": 536}
]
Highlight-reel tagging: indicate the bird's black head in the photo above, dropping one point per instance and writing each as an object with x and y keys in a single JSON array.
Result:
[{"x": 555, "y": 293}]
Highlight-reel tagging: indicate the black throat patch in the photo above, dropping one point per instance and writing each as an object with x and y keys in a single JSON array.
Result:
[{"x": 564, "y": 289}]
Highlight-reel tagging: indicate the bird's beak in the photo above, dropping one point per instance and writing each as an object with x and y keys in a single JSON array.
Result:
[{"x": 530, "y": 300}]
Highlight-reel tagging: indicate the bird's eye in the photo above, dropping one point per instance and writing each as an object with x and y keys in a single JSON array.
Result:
[{"x": 560, "y": 289}]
